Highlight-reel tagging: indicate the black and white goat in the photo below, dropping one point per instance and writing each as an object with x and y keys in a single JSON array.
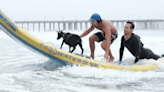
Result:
[{"x": 70, "y": 39}]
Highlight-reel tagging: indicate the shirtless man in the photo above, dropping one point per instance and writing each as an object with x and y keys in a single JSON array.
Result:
[
  {"x": 108, "y": 34},
  {"x": 134, "y": 44}
]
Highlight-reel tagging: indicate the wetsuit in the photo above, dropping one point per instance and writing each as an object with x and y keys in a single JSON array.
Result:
[{"x": 135, "y": 46}]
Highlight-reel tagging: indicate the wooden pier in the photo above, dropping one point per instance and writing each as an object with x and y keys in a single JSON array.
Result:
[{"x": 82, "y": 25}]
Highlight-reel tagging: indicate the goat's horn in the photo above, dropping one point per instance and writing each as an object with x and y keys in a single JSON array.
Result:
[{"x": 60, "y": 30}]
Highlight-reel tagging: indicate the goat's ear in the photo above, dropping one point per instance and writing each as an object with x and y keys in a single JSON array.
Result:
[
  {"x": 60, "y": 31},
  {"x": 56, "y": 31}
]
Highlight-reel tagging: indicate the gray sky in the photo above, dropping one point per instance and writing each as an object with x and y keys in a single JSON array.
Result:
[{"x": 82, "y": 9}]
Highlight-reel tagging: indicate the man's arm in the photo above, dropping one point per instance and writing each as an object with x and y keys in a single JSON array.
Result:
[
  {"x": 87, "y": 31},
  {"x": 138, "y": 49},
  {"x": 121, "y": 49}
]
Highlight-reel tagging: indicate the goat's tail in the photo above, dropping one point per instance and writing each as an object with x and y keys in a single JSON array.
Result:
[
  {"x": 162, "y": 55},
  {"x": 79, "y": 41}
]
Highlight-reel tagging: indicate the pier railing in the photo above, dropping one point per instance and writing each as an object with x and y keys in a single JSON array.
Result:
[{"x": 82, "y": 25}]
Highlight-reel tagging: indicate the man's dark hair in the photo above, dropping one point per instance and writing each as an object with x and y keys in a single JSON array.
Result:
[
  {"x": 99, "y": 21},
  {"x": 132, "y": 25}
]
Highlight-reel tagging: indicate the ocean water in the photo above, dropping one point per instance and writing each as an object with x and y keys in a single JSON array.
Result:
[{"x": 22, "y": 70}]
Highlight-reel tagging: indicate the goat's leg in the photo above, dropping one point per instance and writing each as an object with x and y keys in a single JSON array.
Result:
[
  {"x": 73, "y": 49},
  {"x": 70, "y": 49},
  {"x": 81, "y": 48},
  {"x": 61, "y": 45}
]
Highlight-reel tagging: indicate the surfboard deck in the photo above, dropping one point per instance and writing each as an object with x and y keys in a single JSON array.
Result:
[
  {"x": 82, "y": 55},
  {"x": 125, "y": 62}
]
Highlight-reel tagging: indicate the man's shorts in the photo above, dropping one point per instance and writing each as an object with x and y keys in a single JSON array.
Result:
[{"x": 102, "y": 37}]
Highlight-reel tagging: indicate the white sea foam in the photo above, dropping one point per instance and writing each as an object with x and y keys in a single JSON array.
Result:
[{"x": 22, "y": 70}]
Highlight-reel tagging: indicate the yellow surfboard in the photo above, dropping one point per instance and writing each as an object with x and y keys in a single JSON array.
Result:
[{"x": 41, "y": 47}]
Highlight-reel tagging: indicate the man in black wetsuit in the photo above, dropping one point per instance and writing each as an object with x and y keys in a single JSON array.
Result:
[{"x": 132, "y": 42}]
